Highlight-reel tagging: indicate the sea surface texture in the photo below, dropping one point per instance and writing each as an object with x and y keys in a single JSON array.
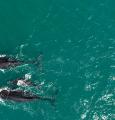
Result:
[{"x": 76, "y": 41}]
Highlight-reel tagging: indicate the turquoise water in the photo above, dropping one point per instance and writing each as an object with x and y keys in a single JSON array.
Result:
[{"x": 77, "y": 39}]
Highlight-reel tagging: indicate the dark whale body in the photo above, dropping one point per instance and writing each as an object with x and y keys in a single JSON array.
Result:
[
  {"x": 22, "y": 96},
  {"x": 7, "y": 62},
  {"x": 18, "y": 96}
]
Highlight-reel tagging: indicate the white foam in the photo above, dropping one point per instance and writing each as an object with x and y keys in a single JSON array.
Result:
[
  {"x": 104, "y": 117},
  {"x": 113, "y": 78},
  {"x": 5, "y": 88},
  {"x": 42, "y": 83},
  {"x": 95, "y": 117},
  {"x": 1, "y": 90},
  {"x": 3, "y": 55},
  {"x": 88, "y": 88},
  {"x": 2, "y": 70},
  {"x": 83, "y": 116},
  {"x": 106, "y": 97},
  {"x": 28, "y": 76},
  {"x": 21, "y": 83}
]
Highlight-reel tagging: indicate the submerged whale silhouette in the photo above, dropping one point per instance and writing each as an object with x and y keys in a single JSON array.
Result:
[{"x": 22, "y": 96}]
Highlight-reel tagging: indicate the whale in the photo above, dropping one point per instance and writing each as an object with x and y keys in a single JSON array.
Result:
[
  {"x": 7, "y": 62},
  {"x": 11, "y": 62},
  {"x": 22, "y": 82},
  {"x": 22, "y": 96}
]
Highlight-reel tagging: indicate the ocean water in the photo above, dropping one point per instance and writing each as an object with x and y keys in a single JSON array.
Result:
[{"x": 77, "y": 40}]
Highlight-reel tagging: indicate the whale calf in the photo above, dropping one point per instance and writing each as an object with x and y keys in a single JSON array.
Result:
[{"x": 22, "y": 82}]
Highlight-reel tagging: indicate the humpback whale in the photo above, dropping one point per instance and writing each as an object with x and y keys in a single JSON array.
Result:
[
  {"x": 22, "y": 96},
  {"x": 9, "y": 61}
]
